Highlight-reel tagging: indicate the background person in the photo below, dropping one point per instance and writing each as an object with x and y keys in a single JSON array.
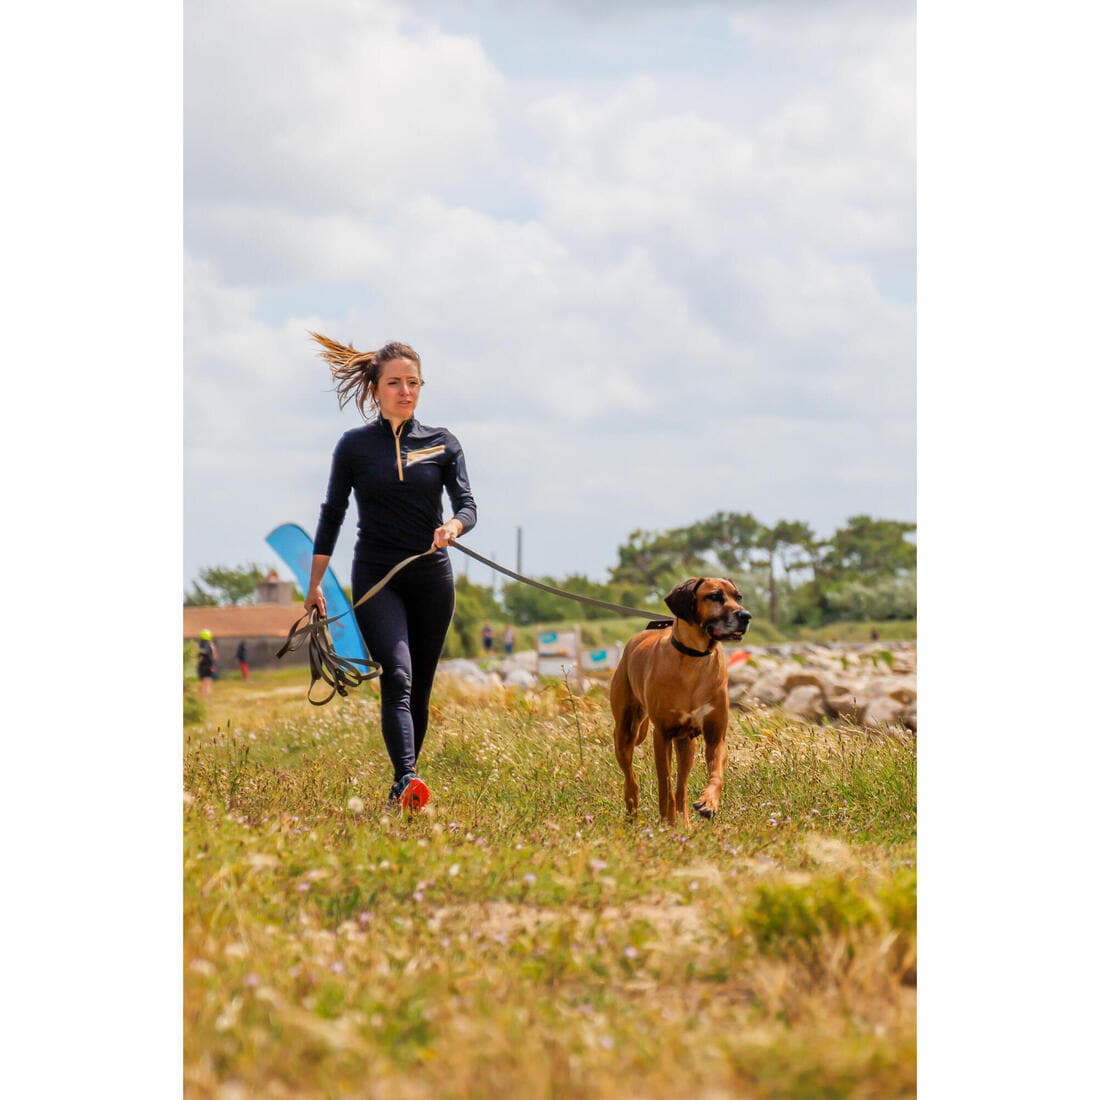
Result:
[
  {"x": 487, "y": 638},
  {"x": 242, "y": 660},
  {"x": 398, "y": 469},
  {"x": 509, "y": 639},
  {"x": 208, "y": 657}
]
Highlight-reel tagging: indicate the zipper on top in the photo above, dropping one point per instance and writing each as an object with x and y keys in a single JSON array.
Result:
[{"x": 397, "y": 448}]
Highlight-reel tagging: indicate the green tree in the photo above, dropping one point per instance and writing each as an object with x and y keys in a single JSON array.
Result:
[
  {"x": 881, "y": 597},
  {"x": 788, "y": 545},
  {"x": 648, "y": 559},
  {"x": 473, "y": 605},
  {"x": 199, "y": 597},
  {"x": 733, "y": 544},
  {"x": 869, "y": 547},
  {"x": 225, "y": 585},
  {"x": 736, "y": 538},
  {"x": 807, "y": 605},
  {"x": 526, "y": 605},
  {"x": 652, "y": 562}
]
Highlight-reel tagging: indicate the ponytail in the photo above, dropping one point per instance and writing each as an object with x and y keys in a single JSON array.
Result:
[{"x": 356, "y": 373}]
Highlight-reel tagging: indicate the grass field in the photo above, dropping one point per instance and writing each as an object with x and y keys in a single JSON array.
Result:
[
  {"x": 520, "y": 937},
  {"x": 889, "y": 630}
]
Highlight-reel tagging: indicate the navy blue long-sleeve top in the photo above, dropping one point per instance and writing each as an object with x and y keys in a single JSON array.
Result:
[{"x": 398, "y": 479}]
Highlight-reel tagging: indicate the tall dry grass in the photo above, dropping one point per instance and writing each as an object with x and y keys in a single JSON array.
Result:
[{"x": 521, "y": 936}]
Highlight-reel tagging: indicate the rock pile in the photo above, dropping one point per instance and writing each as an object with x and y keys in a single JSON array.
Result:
[
  {"x": 869, "y": 685},
  {"x": 516, "y": 671}
]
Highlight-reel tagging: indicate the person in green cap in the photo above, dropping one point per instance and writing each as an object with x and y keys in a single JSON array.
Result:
[{"x": 208, "y": 656}]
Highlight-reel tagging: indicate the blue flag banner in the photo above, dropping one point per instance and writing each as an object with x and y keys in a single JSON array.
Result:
[{"x": 295, "y": 547}]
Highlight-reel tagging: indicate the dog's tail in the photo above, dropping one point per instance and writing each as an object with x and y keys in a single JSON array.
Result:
[{"x": 643, "y": 729}]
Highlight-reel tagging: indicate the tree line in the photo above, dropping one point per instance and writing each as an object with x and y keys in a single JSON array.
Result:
[{"x": 866, "y": 569}]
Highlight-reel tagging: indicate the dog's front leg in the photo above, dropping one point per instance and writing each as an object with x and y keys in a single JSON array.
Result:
[
  {"x": 662, "y": 758},
  {"x": 716, "y": 755},
  {"x": 685, "y": 757}
]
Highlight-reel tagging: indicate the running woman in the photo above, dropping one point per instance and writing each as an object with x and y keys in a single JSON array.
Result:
[{"x": 398, "y": 469}]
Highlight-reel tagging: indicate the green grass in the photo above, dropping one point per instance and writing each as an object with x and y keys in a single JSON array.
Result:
[
  {"x": 899, "y": 630},
  {"x": 521, "y": 936}
]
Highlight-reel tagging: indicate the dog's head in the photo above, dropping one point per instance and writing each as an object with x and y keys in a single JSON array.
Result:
[{"x": 711, "y": 603}]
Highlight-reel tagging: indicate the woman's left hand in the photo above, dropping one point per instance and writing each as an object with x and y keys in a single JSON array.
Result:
[{"x": 446, "y": 534}]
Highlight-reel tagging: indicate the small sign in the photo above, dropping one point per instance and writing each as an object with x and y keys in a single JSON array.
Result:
[
  {"x": 601, "y": 660},
  {"x": 558, "y": 643}
]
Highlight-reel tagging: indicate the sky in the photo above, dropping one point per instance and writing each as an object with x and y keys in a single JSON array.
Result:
[{"x": 658, "y": 261}]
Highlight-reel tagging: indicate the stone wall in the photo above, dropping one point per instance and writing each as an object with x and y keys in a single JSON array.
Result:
[{"x": 872, "y": 685}]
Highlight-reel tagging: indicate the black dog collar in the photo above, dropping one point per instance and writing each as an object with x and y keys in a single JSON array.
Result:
[{"x": 687, "y": 651}]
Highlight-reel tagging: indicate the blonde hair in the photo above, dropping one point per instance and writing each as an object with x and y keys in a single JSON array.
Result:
[{"x": 356, "y": 373}]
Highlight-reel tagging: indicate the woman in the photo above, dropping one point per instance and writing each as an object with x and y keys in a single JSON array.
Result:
[
  {"x": 208, "y": 656},
  {"x": 398, "y": 469}
]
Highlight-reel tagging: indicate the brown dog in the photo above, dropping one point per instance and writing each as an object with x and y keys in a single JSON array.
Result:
[{"x": 674, "y": 679}]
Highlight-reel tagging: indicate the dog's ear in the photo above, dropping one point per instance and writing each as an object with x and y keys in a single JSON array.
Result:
[{"x": 681, "y": 600}]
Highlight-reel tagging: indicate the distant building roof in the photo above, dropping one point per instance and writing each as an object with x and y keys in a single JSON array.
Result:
[{"x": 259, "y": 621}]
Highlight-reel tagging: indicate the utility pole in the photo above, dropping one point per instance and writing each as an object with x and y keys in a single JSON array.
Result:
[{"x": 519, "y": 549}]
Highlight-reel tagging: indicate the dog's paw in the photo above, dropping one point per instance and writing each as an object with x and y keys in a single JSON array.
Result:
[{"x": 702, "y": 809}]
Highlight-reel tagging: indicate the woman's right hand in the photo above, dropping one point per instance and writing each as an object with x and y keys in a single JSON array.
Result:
[{"x": 315, "y": 597}]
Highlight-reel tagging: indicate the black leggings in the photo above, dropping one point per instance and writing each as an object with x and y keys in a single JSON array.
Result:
[{"x": 404, "y": 627}]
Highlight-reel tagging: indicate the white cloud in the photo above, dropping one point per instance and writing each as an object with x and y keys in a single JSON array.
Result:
[
  {"x": 685, "y": 288},
  {"x": 258, "y": 424},
  {"x": 330, "y": 104},
  {"x": 834, "y": 167},
  {"x": 269, "y": 244},
  {"x": 507, "y": 319}
]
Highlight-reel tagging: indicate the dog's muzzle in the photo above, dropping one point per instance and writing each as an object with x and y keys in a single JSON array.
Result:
[{"x": 730, "y": 627}]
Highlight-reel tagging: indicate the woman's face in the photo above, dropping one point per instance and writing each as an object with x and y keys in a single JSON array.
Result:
[{"x": 398, "y": 389}]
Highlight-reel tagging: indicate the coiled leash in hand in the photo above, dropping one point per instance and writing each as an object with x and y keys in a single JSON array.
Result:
[
  {"x": 340, "y": 673},
  {"x": 325, "y": 663}
]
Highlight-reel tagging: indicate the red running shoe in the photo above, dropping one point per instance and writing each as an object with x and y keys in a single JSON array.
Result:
[{"x": 415, "y": 795}]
